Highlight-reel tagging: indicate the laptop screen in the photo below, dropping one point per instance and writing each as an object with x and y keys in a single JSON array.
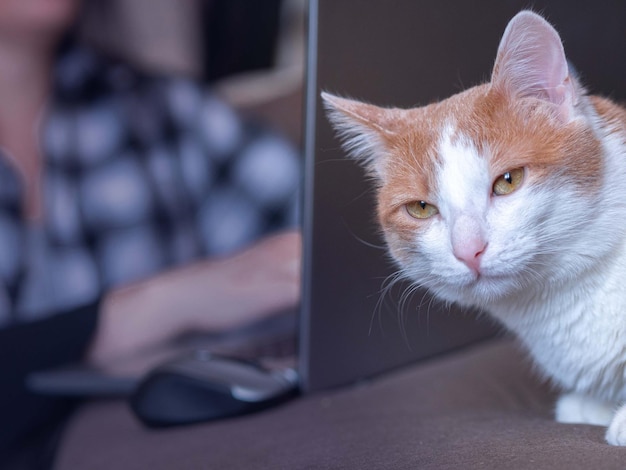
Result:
[{"x": 356, "y": 329}]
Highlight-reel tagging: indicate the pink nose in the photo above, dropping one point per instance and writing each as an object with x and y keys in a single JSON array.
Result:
[{"x": 470, "y": 252}]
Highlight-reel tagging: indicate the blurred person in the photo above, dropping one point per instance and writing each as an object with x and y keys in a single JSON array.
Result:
[{"x": 129, "y": 205}]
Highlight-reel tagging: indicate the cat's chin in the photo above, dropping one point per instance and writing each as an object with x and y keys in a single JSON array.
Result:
[{"x": 477, "y": 290}]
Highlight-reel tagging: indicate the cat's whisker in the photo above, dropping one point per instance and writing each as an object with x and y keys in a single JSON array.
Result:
[
  {"x": 402, "y": 317},
  {"x": 386, "y": 287},
  {"x": 365, "y": 242}
]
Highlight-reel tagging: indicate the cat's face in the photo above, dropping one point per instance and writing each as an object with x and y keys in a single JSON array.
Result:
[
  {"x": 481, "y": 196},
  {"x": 489, "y": 192}
]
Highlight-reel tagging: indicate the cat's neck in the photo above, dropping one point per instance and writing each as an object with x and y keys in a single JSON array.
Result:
[
  {"x": 593, "y": 293},
  {"x": 574, "y": 331}
]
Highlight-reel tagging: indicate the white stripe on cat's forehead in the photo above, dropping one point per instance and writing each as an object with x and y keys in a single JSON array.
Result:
[{"x": 463, "y": 180}]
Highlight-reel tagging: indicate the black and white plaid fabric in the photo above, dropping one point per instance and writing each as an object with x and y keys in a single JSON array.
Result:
[{"x": 141, "y": 174}]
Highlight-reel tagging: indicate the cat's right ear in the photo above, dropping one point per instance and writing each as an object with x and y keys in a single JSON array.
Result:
[
  {"x": 531, "y": 63},
  {"x": 363, "y": 128}
]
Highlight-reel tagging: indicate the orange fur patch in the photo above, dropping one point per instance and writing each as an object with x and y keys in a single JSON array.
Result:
[
  {"x": 525, "y": 133},
  {"x": 613, "y": 115},
  {"x": 510, "y": 133}
]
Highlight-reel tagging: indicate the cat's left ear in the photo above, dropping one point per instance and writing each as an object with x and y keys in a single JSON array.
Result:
[
  {"x": 365, "y": 130},
  {"x": 531, "y": 63}
]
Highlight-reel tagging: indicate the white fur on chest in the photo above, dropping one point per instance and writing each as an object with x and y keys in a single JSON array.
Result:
[{"x": 577, "y": 333}]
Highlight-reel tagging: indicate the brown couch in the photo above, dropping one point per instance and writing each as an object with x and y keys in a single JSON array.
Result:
[{"x": 481, "y": 407}]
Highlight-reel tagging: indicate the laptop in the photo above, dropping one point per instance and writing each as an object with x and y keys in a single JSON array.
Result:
[{"x": 349, "y": 328}]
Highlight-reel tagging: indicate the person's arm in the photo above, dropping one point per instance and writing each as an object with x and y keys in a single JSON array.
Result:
[
  {"x": 212, "y": 295},
  {"x": 29, "y": 347}
]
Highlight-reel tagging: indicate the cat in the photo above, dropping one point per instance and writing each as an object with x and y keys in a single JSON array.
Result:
[{"x": 511, "y": 197}]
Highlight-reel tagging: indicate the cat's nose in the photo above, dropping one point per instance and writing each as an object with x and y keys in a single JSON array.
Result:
[
  {"x": 468, "y": 240},
  {"x": 470, "y": 252}
]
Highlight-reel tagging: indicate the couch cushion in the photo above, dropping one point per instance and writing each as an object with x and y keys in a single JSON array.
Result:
[{"x": 481, "y": 407}]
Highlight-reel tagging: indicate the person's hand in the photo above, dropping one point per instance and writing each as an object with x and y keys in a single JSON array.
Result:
[
  {"x": 259, "y": 281},
  {"x": 207, "y": 296}
]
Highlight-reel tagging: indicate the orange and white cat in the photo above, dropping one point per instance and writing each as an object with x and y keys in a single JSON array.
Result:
[{"x": 511, "y": 196}]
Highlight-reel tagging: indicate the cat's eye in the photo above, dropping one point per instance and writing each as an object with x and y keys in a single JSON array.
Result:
[
  {"x": 508, "y": 182},
  {"x": 421, "y": 209}
]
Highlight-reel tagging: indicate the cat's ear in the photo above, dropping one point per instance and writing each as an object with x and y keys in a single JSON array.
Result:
[
  {"x": 363, "y": 128},
  {"x": 531, "y": 63}
]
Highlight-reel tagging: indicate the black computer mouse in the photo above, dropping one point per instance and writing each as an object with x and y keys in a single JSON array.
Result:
[{"x": 201, "y": 386}]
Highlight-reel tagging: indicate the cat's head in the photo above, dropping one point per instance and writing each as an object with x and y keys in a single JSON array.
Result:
[{"x": 492, "y": 191}]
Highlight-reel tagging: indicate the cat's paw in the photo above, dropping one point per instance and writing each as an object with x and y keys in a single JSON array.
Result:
[
  {"x": 616, "y": 433},
  {"x": 574, "y": 408}
]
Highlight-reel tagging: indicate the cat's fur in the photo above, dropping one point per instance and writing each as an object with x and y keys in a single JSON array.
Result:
[{"x": 549, "y": 259}]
